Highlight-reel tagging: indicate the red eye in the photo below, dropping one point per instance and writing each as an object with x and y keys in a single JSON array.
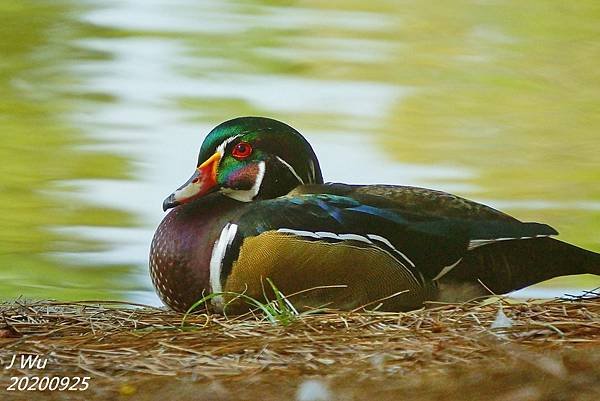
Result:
[{"x": 242, "y": 150}]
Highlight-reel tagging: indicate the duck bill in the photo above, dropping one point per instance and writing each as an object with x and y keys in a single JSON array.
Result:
[{"x": 202, "y": 182}]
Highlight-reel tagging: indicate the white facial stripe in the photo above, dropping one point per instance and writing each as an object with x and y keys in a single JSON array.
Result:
[
  {"x": 249, "y": 194},
  {"x": 291, "y": 169},
  {"x": 223, "y": 145},
  {"x": 216, "y": 262},
  {"x": 193, "y": 188}
]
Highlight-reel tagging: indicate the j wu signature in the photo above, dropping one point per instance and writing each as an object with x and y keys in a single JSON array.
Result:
[
  {"x": 43, "y": 382},
  {"x": 28, "y": 361}
]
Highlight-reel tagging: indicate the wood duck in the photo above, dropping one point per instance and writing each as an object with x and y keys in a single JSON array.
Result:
[{"x": 256, "y": 207}]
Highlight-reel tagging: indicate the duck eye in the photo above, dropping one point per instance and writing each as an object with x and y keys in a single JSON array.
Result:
[{"x": 242, "y": 150}]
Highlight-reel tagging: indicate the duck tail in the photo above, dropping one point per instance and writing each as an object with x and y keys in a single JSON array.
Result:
[
  {"x": 511, "y": 265},
  {"x": 591, "y": 263}
]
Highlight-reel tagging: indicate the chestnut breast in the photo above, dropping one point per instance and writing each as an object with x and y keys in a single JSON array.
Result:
[{"x": 182, "y": 247}]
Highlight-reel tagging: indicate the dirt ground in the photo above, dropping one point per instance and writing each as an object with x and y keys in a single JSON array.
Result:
[{"x": 492, "y": 350}]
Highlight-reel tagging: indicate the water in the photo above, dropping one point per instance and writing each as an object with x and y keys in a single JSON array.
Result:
[{"x": 105, "y": 104}]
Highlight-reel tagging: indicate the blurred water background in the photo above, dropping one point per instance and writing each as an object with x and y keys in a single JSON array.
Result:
[{"x": 104, "y": 104}]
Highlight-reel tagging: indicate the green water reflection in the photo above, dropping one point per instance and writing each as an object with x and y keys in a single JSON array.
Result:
[
  {"x": 506, "y": 90},
  {"x": 39, "y": 148}
]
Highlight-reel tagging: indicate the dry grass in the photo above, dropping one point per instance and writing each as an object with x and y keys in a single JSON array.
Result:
[{"x": 149, "y": 353}]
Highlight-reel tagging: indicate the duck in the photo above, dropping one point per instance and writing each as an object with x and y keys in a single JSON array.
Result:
[{"x": 256, "y": 218}]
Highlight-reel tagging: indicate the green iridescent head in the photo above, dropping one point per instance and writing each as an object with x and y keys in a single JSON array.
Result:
[{"x": 250, "y": 158}]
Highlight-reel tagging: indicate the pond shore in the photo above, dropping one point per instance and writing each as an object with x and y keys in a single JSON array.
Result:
[{"x": 493, "y": 349}]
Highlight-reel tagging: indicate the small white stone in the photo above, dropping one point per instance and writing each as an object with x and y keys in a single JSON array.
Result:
[
  {"x": 502, "y": 321},
  {"x": 377, "y": 361},
  {"x": 313, "y": 390}
]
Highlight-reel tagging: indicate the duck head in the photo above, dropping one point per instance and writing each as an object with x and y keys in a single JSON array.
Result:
[{"x": 250, "y": 158}]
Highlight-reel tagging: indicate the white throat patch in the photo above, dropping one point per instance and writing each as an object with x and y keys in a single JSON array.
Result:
[{"x": 247, "y": 195}]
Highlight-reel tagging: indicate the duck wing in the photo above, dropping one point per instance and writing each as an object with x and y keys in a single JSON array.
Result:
[
  {"x": 320, "y": 238},
  {"x": 409, "y": 199}
]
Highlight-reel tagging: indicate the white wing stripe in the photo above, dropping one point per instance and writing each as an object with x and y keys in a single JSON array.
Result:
[
  {"x": 298, "y": 232},
  {"x": 388, "y": 243},
  {"x": 481, "y": 242},
  {"x": 446, "y": 269},
  {"x": 347, "y": 237},
  {"x": 354, "y": 237}
]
